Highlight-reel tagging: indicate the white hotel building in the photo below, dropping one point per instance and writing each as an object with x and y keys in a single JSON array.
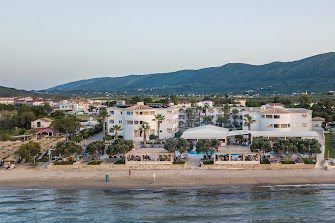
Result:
[{"x": 130, "y": 118}]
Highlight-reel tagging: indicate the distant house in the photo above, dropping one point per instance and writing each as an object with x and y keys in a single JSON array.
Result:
[
  {"x": 7, "y": 100},
  {"x": 41, "y": 123},
  {"x": 317, "y": 122}
]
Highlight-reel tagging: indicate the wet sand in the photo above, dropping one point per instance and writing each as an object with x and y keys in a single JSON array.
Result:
[{"x": 143, "y": 179}]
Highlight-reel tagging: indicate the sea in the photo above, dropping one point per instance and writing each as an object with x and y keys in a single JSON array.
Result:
[{"x": 281, "y": 203}]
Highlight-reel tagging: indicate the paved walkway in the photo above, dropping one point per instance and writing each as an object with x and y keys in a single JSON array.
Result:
[
  {"x": 320, "y": 158},
  {"x": 193, "y": 161}
]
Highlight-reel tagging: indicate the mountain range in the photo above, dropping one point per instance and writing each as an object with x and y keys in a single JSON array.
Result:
[{"x": 312, "y": 74}]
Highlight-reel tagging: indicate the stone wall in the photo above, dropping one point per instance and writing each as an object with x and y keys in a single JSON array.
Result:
[
  {"x": 260, "y": 166},
  {"x": 103, "y": 166}
]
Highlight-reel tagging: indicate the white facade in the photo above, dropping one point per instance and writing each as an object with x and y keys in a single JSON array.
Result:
[
  {"x": 274, "y": 117},
  {"x": 130, "y": 118},
  {"x": 41, "y": 123},
  {"x": 7, "y": 100}
]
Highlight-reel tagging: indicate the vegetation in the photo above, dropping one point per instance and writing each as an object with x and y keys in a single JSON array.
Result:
[
  {"x": 97, "y": 147},
  {"x": 144, "y": 128},
  {"x": 159, "y": 118},
  {"x": 29, "y": 151},
  {"x": 120, "y": 147},
  {"x": 65, "y": 149},
  {"x": 69, "y": 125},
  {"x": 293, "y": 145},
  {"x": 329, "y": 145},
  {"x": 261, "y": 145},
  {"x": 204, "y": 146},
  {"x": 103, "y": 115},
  {"x": 67, "y": 162},
  {"x": 287, "y": 162},
  {"x": 95, "y": 162},
  {"x": 177, "y": 145},
  {"x": 116, "y": 129},
  {"x": 308, "y": 161}
]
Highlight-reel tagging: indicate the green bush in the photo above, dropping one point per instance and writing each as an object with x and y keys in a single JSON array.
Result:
[
  {"x": 69, "y": 162},
  {"x": 309, "y": 161},
  {"x": 178, "y": 162},
  {"x": 265, "y": 161},
  {"x": 287, "y": 162},
  {"x": 208, "y": 162},
  {"x": 95, "y": 162},
  {"x": 120, "y": 162}
]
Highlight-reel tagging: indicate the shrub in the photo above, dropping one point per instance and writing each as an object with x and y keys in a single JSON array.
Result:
[
  {"x": 287, "y": 162},
  {"x": 122, "y": 161},
  {"x": 308, "y": 161},
  {"x": 208, "y": 162},
  {"x": 69, "y": 162},
  {"x": 95, "y": 162},
  {"x": 265, "y": 161}
]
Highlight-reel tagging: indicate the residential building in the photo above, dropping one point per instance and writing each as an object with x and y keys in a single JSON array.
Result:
[
  {"x": 7, "y": 100},
  {"x": 131, "y": 117},
  {"x": 41, "y": 123},
  {"x": 274, "y": 117}
]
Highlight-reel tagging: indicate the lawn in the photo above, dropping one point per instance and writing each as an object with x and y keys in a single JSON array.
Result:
[{"x": 329, "y": 147}]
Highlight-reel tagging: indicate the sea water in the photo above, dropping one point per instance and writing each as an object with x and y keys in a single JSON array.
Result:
[{"x": 282, "y": 203}]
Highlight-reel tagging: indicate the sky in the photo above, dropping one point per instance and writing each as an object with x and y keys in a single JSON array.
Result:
[{"x": 44, "y": 43}]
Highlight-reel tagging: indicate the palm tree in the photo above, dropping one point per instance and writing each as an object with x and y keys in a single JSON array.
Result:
[
  {"x": 225, "y": 109},
  {"x": 207, "y": 119},
  {"x": 159, "y": 118},
  {"x": 144, "y": 128},
  {"x": 249, "y": 120},
  {"x": 221, "y": 120},
  {"x": 103, "y": 114},
  {"x": 235, "y": 112},
  {"x": 116, "y": 129}
]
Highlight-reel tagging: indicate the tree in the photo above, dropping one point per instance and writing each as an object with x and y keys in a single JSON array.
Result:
[
  {"x": 144, "y": 128},
  {"x": 103, "y": 115},
  {"x": 215, "y": 143},
  {"x": 221, "y": 121},
  {"x": 235, "y": 112},
  {"x": 67, "y": 148},
  {"x": 120, "y": 146},
  {"x": 225, "y": 110},
  {"x": 203, "y": 146},
  {"x": 261, "y": 145},
  {"x": 159, "y": 118},
  {"x": 29, "y": 151},
  {"x": 174, "y": 99},
  {"x": 177, "y": 145},
  {"x": 249, "y": 120},
  {"x": 68, "y": 125},
  {"x": 207, "y": 119},
  {"x": 116, "y": 129},
  {"x": 305, "y": 100},
  {"x": 97, "y": 147}
]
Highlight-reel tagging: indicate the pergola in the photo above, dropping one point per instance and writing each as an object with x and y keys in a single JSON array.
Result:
[
  {"x": 149, "y": 156},
  {"x": 236, "y": 155}
]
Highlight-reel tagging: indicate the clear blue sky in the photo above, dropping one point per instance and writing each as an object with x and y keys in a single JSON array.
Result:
[{"x": 48, "y": 42}]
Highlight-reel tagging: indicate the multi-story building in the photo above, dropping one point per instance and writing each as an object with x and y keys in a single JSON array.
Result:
[
  {"x": 274, "y": 117},
  {"x": 7, "y": 100},
  {"x": 131, "y": 117}
]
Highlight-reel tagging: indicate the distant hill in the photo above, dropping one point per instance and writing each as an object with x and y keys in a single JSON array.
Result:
[
  {"x": 313, "y": 74},
  {"x": 12, "y": 92}
]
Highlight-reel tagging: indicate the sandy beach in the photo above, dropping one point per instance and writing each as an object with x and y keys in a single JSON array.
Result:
[{"x": 143, "y": 179}]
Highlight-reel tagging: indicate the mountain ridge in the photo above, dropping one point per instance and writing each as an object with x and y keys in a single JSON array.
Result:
[{"x": 274, "y": 77}]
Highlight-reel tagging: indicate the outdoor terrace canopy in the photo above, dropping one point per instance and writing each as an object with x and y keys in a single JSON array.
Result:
[{"x": 205, "y": 132}]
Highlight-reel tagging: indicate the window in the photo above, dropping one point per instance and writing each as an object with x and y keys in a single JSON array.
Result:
[
  {"x": 304, "y": 116},
  {"x": 111, "y": 121},
  {"x": 120, "y": 121},
  {"x": 276, "y": 126},
  {"x": 283, "y": 125},
  {"x": 129, "y": 113},
  {"x": 38, "y": 124},
  {"x": 121, "y": 113},
  {"x": 111, "y": 130},
  {"x": 169, "y": 130},
  {"x": 304, "y": 124},
  {"x": 276, "y": 116},
  {"x": 135, "y": 122},
  {"x": 263, "y": 116},
  {"x": 129, "y": 122},
  {"x": 152, "y": 113},
  {"x": 269, "y": 126},
  {"x": 268, "y": 116},
  {"x": 111, "y": 112}
]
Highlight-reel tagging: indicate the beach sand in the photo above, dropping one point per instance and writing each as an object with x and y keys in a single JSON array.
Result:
[{"x": 143, "y": 179}]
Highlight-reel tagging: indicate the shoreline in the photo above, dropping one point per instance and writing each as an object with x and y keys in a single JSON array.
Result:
[{"x": 38, "y": 178}]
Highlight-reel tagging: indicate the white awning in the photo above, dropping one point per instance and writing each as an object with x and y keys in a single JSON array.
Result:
[
  {"x": 205, "y": 132},
  {"x": 276, "y": 134}
]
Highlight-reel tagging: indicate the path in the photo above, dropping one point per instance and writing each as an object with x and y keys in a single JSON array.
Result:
[
  {"x": 320, "y": 158},
  {"x": 193, "y": 161}
]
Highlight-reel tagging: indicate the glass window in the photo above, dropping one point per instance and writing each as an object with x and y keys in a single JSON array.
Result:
[
  {"x": 276, "y": 116},
  {"x": 276, "y": 126},
  {"x": 263, "y": 116},
  {"x": 268, "y": 116},
  {"x": 283, "y": 125},
  {"x": 120, "y": 121},
  {"x": 304, "y": 124}
]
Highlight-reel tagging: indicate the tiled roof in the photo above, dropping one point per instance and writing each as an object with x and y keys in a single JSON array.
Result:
[
  {"x": 318, "y": 119},
  {"x": 140, "y": 107}
]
